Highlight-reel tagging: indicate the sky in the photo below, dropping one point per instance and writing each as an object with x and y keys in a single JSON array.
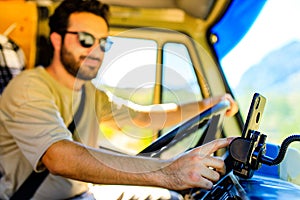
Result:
[{"x": 276, "y": 25}]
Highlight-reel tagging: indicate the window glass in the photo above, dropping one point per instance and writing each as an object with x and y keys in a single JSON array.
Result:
[
  {"x": 267, "y": 61},
  {"x": 180, "y": 85},
  {"x": 179, "y": 79},
  {"x": 129, "y": 69},
  {"x": 128, "y": 73}
]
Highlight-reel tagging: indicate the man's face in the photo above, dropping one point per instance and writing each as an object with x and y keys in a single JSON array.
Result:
[{"x": 83, "y": 62}]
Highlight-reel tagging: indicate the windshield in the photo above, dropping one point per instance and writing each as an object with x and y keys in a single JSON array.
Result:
[{"x": 267, "y": 61}]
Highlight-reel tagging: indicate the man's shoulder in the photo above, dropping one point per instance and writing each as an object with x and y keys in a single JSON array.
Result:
[
  {"x": 25, "y": 81},
  {"x": 33, "y": 72},
  {"x": 39, "y": 70},
  {"x": 99, "y": 94},
  {"x": 91, "y": 86}
]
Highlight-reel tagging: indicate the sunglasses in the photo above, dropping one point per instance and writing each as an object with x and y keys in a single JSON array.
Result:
[{"x": 87, "y": 40}]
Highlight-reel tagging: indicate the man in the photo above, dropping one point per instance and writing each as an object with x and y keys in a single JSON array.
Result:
[{"x": 38, "y": 105}]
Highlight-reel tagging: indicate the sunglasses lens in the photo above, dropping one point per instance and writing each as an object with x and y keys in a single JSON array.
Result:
[
  {"x": 105, "y": 44},
  {"x": 86, "y": 39}
]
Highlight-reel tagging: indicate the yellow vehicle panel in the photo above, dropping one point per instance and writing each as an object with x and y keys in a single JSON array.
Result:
[{"x": 20, "y": 19}]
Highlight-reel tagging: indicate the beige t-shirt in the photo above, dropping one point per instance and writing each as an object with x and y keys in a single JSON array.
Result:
[{"x": 35, "y": 109}]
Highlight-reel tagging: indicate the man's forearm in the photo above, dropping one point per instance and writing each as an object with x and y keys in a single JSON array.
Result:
[
  {"x": 160, "y": 117},
  {"x": 196, "y": 168},
  {"x": 72, "y": 160},
  {"x": 165, "y": 118}
]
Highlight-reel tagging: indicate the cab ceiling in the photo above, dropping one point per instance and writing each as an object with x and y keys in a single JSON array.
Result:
[{"x": 196, "y": 8}]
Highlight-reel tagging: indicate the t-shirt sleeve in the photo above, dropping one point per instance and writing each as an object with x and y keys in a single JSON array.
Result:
[{"x": 33, "y": 119}]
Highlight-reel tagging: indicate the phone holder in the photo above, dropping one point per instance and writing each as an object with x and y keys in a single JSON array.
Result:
[{"x": 248, "y": 153}]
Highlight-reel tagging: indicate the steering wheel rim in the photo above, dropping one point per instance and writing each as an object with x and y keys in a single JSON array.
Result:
[{"x": 159, "y": 145}]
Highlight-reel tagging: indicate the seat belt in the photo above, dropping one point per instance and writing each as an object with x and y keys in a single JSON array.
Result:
[{"x": 34, "y": 180}]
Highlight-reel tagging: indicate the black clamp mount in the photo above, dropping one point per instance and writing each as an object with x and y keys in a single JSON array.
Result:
[{"x": 248, "y": 153}]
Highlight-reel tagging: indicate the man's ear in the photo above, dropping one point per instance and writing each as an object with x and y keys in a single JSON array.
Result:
[{"x": 56, "y": 40}]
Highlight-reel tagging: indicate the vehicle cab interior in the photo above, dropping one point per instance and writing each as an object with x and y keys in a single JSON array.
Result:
[{"x": 171, "y": 51}]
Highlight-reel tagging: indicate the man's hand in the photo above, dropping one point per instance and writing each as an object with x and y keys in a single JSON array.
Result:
[
  {"x": 233, "y": 105},
  {"x": 197, "y": 168}
]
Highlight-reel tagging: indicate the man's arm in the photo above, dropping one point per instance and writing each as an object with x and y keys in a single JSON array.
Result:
[
  {"x": 158, "y": 119},
  {"x": 196, "y": 168}
]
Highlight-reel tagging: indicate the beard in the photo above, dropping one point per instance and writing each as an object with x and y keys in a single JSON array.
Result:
[{"x": 77, "y": 68}]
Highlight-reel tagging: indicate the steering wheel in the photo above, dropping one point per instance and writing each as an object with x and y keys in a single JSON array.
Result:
[{"x": 210, "y": 120}]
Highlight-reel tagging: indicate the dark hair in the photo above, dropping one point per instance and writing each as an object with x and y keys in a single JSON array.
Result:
[{"x": 58, "y": 22}]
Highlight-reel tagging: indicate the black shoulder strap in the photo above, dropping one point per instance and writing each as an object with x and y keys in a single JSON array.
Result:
[
  {"x": 78, "y": 113},
  {"x": 34, "y": 180}
]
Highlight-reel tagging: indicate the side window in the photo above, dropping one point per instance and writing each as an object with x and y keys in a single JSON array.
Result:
[
  {"x": 180, "y": 85},
  {"x": 179, "y": 80},
  {"x": 267, "y": 61},
  {"x": 128, "y": 69},
  {"x": 128, "y": 72}
]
